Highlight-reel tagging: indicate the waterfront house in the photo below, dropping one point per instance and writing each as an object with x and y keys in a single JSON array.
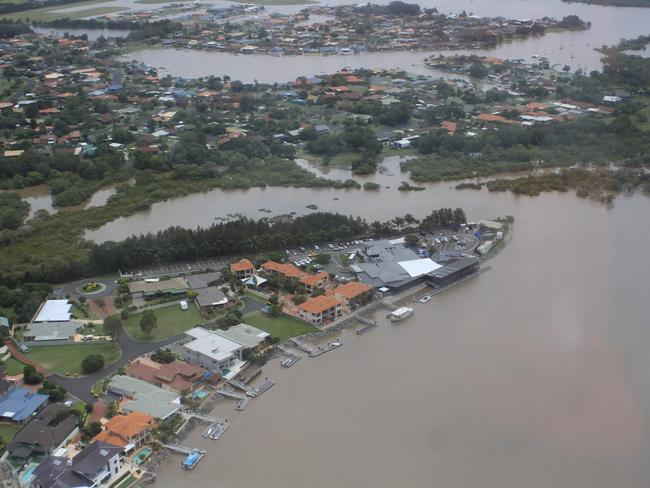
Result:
[
  {"x": 353, "y": 294},
  {"x": 210, "y": 349},
  {"x": 129, "y": 431},
  {"x": 242, "y": 269},
  {"x": 140, "y": 396},
  {"x": 97, "y": 466},
  {"x": 177, "y": 375},
  {"x": 320, "y": 310},
  {"x": 315, "y": 282},
  {"x": 248, "y": 336},
  {"x": 48, "y": 431}
]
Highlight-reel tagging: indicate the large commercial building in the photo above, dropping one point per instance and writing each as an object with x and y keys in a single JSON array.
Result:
[
  {"x": 392, "y": 267},
  {"x": 453, "y": 271}
]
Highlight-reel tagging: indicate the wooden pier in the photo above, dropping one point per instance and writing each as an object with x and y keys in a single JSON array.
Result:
[{"x": 322, "y": 350}]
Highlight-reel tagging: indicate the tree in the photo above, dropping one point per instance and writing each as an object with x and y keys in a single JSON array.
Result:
[
  {"x": 92, "y": 429},
  {"x": 113, "y": 326},
  {"x": 92, "y": 363},
  {"x": 148, "y": 322},
  {"x": 412, "y": 240},
  {"x": 478, "y": 70},
  {"x": 31, "y": 376},
  {"x": 163, "y": 356}
]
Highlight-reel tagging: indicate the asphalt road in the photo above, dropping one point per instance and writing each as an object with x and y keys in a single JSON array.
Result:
[
  {"x": 72, "y": 289},
  {"x": 131, "y": 349}
]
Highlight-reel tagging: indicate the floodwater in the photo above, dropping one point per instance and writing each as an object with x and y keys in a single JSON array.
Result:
[
  {"x": 204, "y": 209},
  {"x": 40, "y": 198},
  {"x": 576, "y": 49},
  {"x": 532, "y": 375}
]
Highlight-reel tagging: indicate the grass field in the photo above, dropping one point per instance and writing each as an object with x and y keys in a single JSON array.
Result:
[
  {"x": 7, "y": 432},
  {"x": 282, "y": 327},
  {"x": 13, "y": 367},
  {"x": 61, "y": 11},
  {"x": 171, "y": 321},
  {"x": 67, "y": 359}
]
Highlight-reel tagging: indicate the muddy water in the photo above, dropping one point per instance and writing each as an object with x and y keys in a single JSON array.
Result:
[
  {"x": 534, "y": 374},
  {"x": 576, "y": 49}
]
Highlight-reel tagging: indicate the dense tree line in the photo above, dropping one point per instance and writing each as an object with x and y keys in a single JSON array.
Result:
[
  {"x": 395, "y": 8},
  {"x": 11, "y": 28},
  {"x": 19, "y": 304},
  {"x": 247, "y": 236}
]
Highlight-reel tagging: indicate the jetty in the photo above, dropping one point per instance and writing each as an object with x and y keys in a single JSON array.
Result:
[
  {"x": 262, "y": 388},
  {"x": 303, "y": 346},
  {"x": 182, "y": 449},
  {"x": 291, "y": 357},
  {"x": 241, "y": 386},
  {"x": 231, "y": 394},
  {"x": 368, "y": 324},
  {"x": 322, "y": 350},
  {"x": 216, "y": 430},
  {"x": 242, "y": 403}
]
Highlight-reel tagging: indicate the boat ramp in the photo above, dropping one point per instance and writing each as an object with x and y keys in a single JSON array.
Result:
[{"x": 368, "y": 324}]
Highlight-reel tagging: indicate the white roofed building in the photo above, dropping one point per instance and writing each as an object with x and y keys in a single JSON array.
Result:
[
  {"x": 54, "y": 311},
  {"x": 210, "y": 349}
]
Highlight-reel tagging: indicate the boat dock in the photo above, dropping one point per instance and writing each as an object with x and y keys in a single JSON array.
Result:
[
  {"x": 262, "y": 388},
  {"x": 181, "y": 449},
  {"x": 231, "y": 394},
  {"x": 242, "y": 403},
  {"x": 291, "y": 357},
  {"x": 322, "y": 350},
  {"x": 368, "y": 324},
  {"x": 241, "y": 386},
  {"x": 216, "y": 430},
  {"x": 303, "y": 346}
]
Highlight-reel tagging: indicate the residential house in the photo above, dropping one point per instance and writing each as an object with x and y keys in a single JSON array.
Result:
[
  {"x": 50, "y": 332},
  {"x": 210, "y": 350},
  {"x": 141, "y": 396},
  {"x": 129, "y": 431},
  {"x": 353, "y": 294},
  {"x": 247, "y": 335},
  {"x": 21, "y": 404},
  {"x": 43, "y": 435},
  {"x": 314, "y": 282},
  {"x": 97, "y": 466},
  {"x": 242, "y": 269},
  {"x": 177, "y": 375},
  {"x": 320, "y": 310},
  {"x": 208, "y": 297},
  {"x": 282, "y": 269}
]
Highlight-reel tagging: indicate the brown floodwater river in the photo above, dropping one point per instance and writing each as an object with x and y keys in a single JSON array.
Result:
[{"x": 532, "y": 375}]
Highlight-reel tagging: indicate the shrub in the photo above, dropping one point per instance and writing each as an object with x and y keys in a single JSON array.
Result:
[{"x": 92, "y": 363}]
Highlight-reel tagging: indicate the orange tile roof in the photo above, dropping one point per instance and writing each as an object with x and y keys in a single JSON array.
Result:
[
  {"x": 241, "y": 265},
  {"x": 319, "y": 304},
  {"x": 288, "y": 270},
  {"x": 312, "y": 280},
  {"x": 449, "y": 126},
  {"x": 494, "y": 118},
  {"x": 121, "y": 428},
  {"x": 352, "y": 289}
]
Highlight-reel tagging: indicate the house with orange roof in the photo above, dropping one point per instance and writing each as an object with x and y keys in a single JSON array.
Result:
[
  {"x": 177, "y": 375},
  {"x": 450, "y": 127},
  {"x": 493, "y": 118},
  {"x": 316, "y": 281},
  {"x": 242, "y": 269},
  {"x": 320, "y": 310},
  {"x": 353, "y": 294},
  {"x": 282, "y": 269},
  {"x": 130, "y": 431}
]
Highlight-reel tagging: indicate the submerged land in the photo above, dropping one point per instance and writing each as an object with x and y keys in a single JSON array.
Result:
[{"x": 79, "y": 119}]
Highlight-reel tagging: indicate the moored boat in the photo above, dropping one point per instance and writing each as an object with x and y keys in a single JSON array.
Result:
[{"x": 400, "y": 314}]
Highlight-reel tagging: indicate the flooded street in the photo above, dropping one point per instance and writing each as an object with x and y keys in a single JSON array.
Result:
[{"x": 533, "y": 374}]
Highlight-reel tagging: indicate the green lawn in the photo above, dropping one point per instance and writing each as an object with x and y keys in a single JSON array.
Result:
[
  {"x": 67, "y": 359},
  {"x": 13, "y": 367},
  {"x": 97, "y": 330},
  {"x": 7, "y": 432},
  {"x": 282, "y": 327},
  {"x": 127, "y": 481},
  {"x": 171, "y": 321}
]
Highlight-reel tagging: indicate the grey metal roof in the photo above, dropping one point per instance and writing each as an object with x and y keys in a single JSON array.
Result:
[
  {"x": 209, "y": 296},
  {"x": 94, "y": 457},
  {"x": 454, "y": 266},
  {"x": 49, "y": 331},
  {"x": 202, "y": 280}
]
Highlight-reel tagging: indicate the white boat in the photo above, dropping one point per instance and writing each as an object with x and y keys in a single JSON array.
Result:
[
  {"x": 400, "y": 314},
  {"x": 425, "y": 299}
]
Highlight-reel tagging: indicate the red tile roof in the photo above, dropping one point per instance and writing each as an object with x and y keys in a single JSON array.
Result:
[{"x": 319, "y": 304}]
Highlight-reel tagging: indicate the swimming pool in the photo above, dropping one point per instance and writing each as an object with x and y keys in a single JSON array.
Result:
[
  {"x": 27, "y": 474},
  {"x": 201, "y": 394},
  {"x": 142, "y": 455}
]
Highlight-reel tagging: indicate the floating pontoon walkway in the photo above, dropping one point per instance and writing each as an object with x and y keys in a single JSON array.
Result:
[
  {"x": 262, "y": 388},
  {"x": 182, "y": 449},
  {"x": 322, "y": 350}
]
